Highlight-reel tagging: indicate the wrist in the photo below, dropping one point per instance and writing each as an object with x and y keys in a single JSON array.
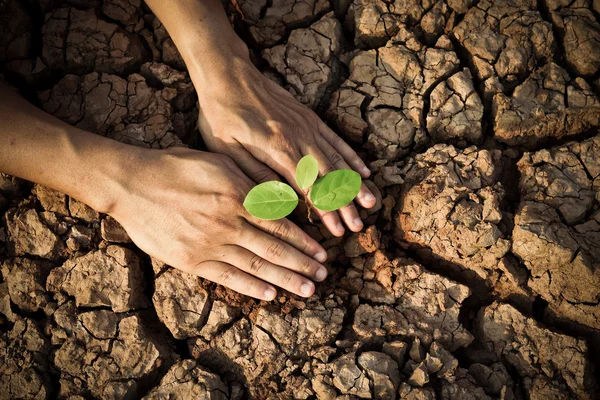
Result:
[
  {"x": 213, "y": 69},
  {"x": 103, "y": 170}
]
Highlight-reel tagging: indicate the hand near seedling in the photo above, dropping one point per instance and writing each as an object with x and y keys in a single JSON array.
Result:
[
  {"x": 184, "y": 207},
  {"x": 267, "y": 131},
  {"x": 247, "y": 116},
  {"x": 274, "y": 200}
]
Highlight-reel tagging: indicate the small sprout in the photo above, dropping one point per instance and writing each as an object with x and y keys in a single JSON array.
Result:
[
  {"x": 274, "y": 200},
  {"x": 307, "y": 172}
]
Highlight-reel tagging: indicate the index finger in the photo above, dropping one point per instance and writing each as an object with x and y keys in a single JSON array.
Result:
[
  {"x": 280, "y": 253},
  {"x": 286, "y": 230}
]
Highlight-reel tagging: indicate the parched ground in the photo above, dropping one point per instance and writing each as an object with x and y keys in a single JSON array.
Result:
[{"x": 477, "y": 277}]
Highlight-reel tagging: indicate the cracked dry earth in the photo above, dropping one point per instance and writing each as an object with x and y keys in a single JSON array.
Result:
[{"x": 477, "y": 277}]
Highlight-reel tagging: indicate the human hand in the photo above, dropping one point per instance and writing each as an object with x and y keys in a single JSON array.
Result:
[
  {"x": 184, "y": 207},
  {"x": 266, "y": 130}
]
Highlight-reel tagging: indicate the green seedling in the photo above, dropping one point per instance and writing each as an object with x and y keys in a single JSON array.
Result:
[{"x": 274, "y": 200}]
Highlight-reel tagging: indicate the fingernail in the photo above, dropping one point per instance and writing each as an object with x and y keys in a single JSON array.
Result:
[
  {"x": 339, "y": 228},
  {"x": 321, "y": 274},
  {"x": 306, "y": 288},
  {"x": 270, "y": 294},
  {"x": 369, "y": 197},
  {"x": 321, "y": 257},
  {"x": 365, "y": 171},
  {"x": 358, "y": 223}
]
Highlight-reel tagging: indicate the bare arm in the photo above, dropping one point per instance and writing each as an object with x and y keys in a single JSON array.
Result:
[{"x": 43, "y": 149}]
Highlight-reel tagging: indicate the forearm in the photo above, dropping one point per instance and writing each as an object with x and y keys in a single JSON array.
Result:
[
  {"x": 204, "y": 37},
  {"x": 40, "y": 148}
]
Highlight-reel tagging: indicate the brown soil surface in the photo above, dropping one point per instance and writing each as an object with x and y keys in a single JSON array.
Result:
[{"x": 478, "y": 273}]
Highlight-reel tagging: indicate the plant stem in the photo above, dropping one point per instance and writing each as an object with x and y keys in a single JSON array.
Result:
[{"x": 308, "y": 205}]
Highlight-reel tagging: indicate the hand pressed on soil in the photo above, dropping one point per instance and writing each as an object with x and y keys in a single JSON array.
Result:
[
  {"x": 266, "y": 130},
  {"x": 184, "y": 207},
  {"x": 249, "y": 117}
]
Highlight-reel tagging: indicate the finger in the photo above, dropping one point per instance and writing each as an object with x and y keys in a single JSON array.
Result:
[
  {"x": 280, "y": 253},
  {"x": 235, "y": 279},
  {"x": 364, "y": 197},
  {"x": 349, "y": 155},
  {"x": 256, "y": 170},
  {"x": 257, "y": 266},
  {"x": 332, "y": 160},
  {"x": 289, "y": 232}
]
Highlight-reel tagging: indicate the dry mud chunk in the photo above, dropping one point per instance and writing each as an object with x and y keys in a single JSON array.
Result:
[
  {"x": 10, "y": 185},
  {"x": 308, "y": 61},
  {"x": 110, "y": 355},
  {"x": 221, "y": 314},
  {"x": 29, "y": 235},
  {"x": 15, "y": 31},
  {"x": 345, "y": 113},
  {"x": 245, "y": 350},
  {"x": 494, "y": 378},
  {"x": 157, "y": 74},
  {"x": 464, "y": 387},
  {"x": 557, "y": 228},
  {"x": 505, "y": 40},
  {"x": 181, "y": 303},
  {"x": 374, "y": 22},
  {"x": 126, "y": 110},
  {"x": 449, "y": 210},
  {"x": 24, "y": 362},
  {"x": 82, "y": 211},
  {"x": 51, "y": 200},
  {"x": 188, "y": 380},
  {"x": 384, "y": 97},
  {"x": 127, "y": 12},
  {"x": 306, "y": 333},
  {"x": 425, "y": 305},
  {"x": 548, "y": 105},
  {"x": 78, "y": 42},
  {"x": 407, "y": 392},
  {"x": 27, "y": 283},
  {"x": 112, "y": 231},
  {"x": 270, "y": 22},
  {"x": 163, "y": 48},
  {"x": 349, "y": 379},
  {"x": 579, "y": 32},
  {"x": 94, "y": 102},
  {"x": 109, "y": 277},
  {"x": 362, "y": 243},
  {"x": 148, "y": 121},
  {"x": 535, "y": 351},
  {"x": 456, "y": 110}
]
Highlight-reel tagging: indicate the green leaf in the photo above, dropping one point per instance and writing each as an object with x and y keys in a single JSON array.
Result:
[
  {"x": 271, "y": 200},
  {"x": 307, "y": 171},
  {"x": 335, "y": 190}
]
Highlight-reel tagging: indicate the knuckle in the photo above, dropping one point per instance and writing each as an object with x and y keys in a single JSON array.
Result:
[
  {"x": 274, "y": 250},
  {"x": 263, "y": 175},
  {"x": 286, "y": 279},
  {"x": 307, "y": 267},
  {"x": 328, "y": 167},
  {"x": 281, "y": 230},
  {"x": 335, "y": 157},
  {"x": 228, "y": 276},
  {"x": 257, "y": 264}
]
